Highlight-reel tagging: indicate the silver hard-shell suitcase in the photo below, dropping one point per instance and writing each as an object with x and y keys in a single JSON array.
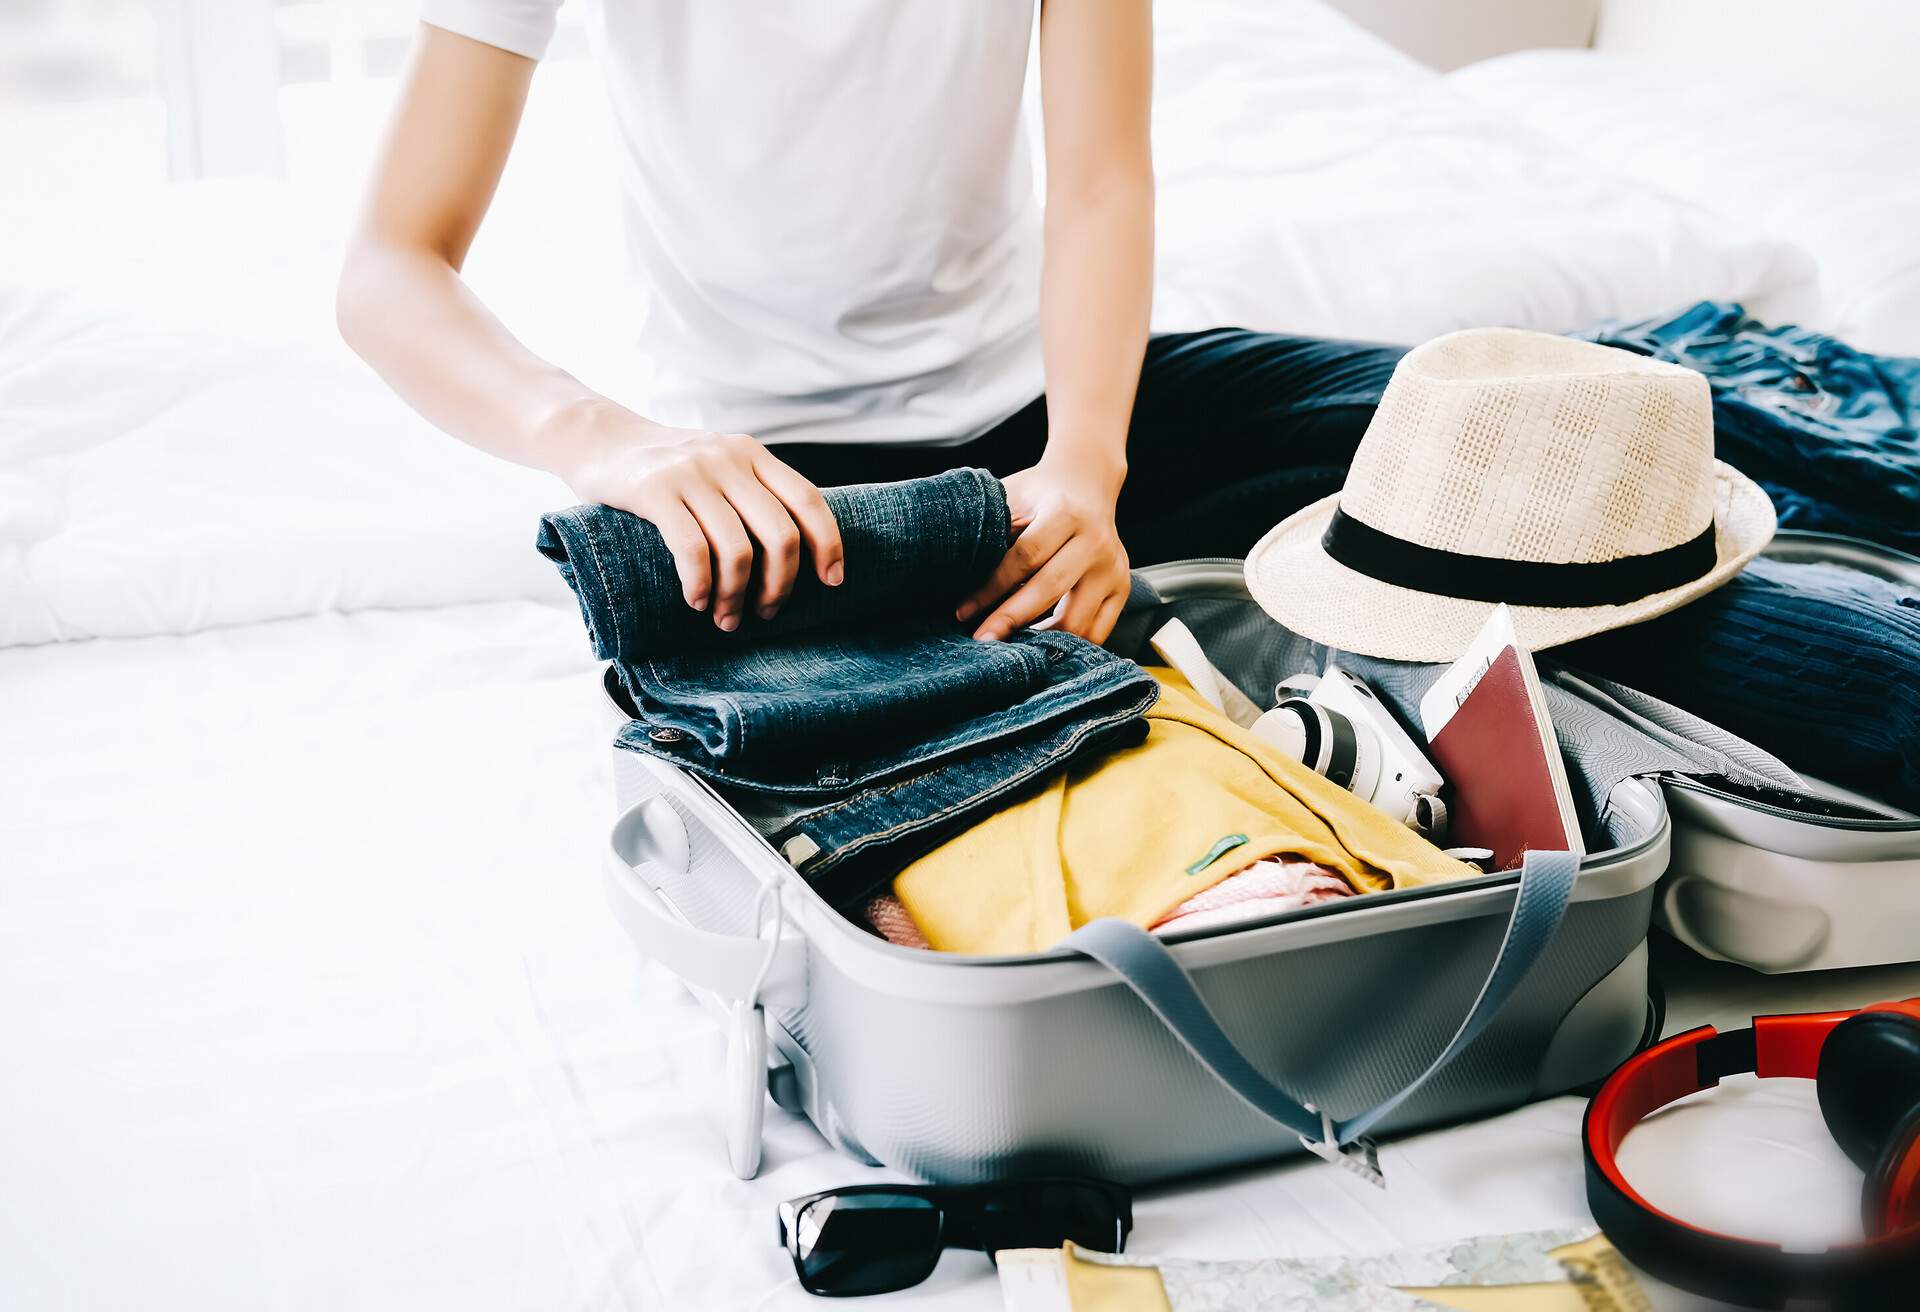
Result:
[
  {"x": 958, "y": 1068},
  {"x": 1780, "y": 888}
]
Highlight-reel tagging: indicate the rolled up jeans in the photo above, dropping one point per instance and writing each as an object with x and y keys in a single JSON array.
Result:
[{"x": 860, "y": 726}]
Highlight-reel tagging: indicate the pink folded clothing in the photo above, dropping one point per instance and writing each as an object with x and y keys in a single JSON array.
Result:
[
  {"x": 1265, "y": 888},
  {"x": 888, "y": 917},
  {"x": 1280, "y": 883}
]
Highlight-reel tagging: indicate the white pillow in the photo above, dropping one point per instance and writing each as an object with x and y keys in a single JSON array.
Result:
[
  {"x": 1831, "y": 179},
  {"x": 1314, "y": 180},
  {"x": 1231, "y": 76},
  {"x": 163, "y": 480},
  {"x": 185, "y": 442}
]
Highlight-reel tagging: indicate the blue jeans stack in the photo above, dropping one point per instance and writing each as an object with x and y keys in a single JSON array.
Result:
[{"x": 861, "y": 725}]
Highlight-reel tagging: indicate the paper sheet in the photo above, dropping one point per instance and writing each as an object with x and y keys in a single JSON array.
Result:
[{"x": 1535, "y": 1271}]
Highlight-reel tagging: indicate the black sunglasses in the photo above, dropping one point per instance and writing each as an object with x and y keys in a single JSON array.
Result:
[{"x": 876, "y": 1238}]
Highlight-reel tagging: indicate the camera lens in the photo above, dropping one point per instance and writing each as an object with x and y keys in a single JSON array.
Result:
[{"x": 1343, "y": 748}]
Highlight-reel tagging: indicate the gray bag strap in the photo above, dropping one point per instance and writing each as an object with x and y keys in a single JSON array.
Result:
[{"x": 1149, "y": 969}]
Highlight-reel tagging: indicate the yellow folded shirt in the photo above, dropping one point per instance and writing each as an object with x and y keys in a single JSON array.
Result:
[{"x": 1140, "y": 830}]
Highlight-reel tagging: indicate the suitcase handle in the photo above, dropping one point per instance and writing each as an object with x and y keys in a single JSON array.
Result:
[
  {"x": 1151, "y": 971},
  {"x": 725, "y": 965}
]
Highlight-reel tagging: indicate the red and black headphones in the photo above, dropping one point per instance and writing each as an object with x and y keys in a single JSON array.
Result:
[{"x": 1867, "y": 1067}]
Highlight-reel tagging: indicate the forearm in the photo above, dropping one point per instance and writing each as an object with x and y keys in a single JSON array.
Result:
[
  {"x": 1095, "y": 300},
  {"x": 409, "y": 315},
  {"x": 1096, "y": 287},
  {"x": 738, "y": 521},
  {"x": 401, "y": 302}
]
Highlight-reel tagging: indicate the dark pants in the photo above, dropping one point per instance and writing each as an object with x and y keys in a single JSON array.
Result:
[{"x": 1232, "y": 431}]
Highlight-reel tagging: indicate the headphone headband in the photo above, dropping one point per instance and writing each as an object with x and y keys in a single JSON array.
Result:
[{"x": 1742, "y": 1270}]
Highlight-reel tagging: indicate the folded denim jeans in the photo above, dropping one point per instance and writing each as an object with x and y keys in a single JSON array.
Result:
[
  {"x": 861, "y": 725},
  {"x": 912, "y": 548}
]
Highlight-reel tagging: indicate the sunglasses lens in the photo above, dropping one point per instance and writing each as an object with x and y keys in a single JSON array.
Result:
[
  {"x": 866, "y": 1243},
  {"x": 1045, "y": 1213}
]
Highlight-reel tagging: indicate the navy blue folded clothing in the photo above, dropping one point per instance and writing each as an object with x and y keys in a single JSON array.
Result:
[
  {"x": 912, "y": 549},
  {"x": 1817, "y": 663},
  {"x": 1832, "y": 433},
  {"x": 861, "y": 725}
]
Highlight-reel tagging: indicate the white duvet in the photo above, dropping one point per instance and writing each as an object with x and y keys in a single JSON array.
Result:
[
  {"x": 307, "y": 996},
  {"x": 1842, "y": 187},
  {"x": 1313, "y": 180},
  {"x": 161, "y": 481}
]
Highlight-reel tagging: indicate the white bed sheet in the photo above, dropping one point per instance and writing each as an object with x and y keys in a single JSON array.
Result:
[{"x": 308, "y": 999}]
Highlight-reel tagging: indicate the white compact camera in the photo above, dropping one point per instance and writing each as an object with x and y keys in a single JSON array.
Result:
[{"x": 1343, "y": 732}]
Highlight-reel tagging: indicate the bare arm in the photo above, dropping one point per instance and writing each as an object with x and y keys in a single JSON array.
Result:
[
  {"x": 1096, "y": 72},
  {"x": 1096, "y": 60},
  {"x": 719, "y": 499}
]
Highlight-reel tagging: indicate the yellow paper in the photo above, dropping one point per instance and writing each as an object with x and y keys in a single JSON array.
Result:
[
  {"x": 1602, "y": 1276},
  {"x": 1098, "y": 1287},
  {"x": 1598, "y": 1281}
]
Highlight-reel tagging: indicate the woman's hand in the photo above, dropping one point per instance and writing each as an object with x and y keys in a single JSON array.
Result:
[
  {"x": 719, "y": 500},
  {"x": 1067, "y": 555}
]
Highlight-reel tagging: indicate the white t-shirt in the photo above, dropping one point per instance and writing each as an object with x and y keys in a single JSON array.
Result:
[{"x": 829, "y": 207}]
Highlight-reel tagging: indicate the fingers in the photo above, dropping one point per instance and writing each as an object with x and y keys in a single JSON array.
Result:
[
  {"x": 720, "y": 501},
  {"x": 1034, "y": 548},
  {"x": 732, "y": 552},
  {"x": 1093, "y": 606},
  {"x": 1033, "y": 598},
  {"x": 777, "y": 537},
  {"x": 1081, "y": 607},
  {"x": 818, "y": 528},
  {"x": 691, "y": 559},
  {"x": 1108, "y": 616}
]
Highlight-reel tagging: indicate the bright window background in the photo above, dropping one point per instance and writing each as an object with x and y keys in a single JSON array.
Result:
[
  {"x": 202, "y": 160},
  {"x": 145, "y": 90},
  {"x": 78, "y": 91}
]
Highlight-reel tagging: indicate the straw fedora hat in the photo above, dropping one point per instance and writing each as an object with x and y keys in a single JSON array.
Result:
[{"x": 1574, "y": 482}]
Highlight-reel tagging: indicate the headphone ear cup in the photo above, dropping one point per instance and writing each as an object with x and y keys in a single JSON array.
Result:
[
  {"x": 1891, "y": 1201},
  {"x": 1868, "y": 1080}
]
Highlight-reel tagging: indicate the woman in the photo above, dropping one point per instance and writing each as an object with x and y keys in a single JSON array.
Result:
[{"x": 832, "y": 217}]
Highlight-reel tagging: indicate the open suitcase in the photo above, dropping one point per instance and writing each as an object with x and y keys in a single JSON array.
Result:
[
  {"x": 1779, "y": 888},
  {"x": 955, "y": 1068}
]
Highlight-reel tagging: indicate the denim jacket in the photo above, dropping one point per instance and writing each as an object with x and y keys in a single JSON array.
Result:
[{"x": 861, "y": 725}]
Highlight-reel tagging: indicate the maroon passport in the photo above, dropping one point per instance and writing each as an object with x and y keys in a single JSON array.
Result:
[{"x": 1493, "y": 753}]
